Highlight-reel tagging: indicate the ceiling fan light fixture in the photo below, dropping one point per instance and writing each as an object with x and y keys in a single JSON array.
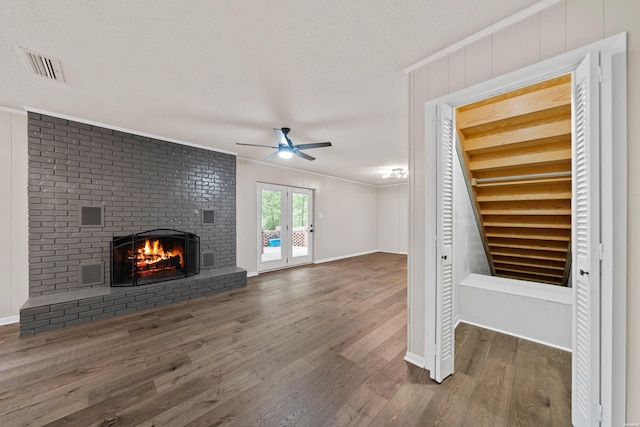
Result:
[
  {"x": 395, "y": 173},
  {"x": 286, "y": 149},
  {"x": 285, "y": 154}
]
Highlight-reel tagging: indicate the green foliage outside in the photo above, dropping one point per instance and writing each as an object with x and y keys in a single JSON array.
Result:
[
  {"x": 271, "y": 202},
  {"x": 270, "y": 209},
  {"x": 300, "y": 210}
]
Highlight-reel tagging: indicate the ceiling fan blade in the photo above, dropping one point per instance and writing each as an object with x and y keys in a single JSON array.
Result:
[
  {"x": 282, "y": 138},
  {"x": 303, "y": 155},
  {"x": 313, "y": 145},
  {"x": 274, "y": 154},
  {"x": 256, "y": 145}
]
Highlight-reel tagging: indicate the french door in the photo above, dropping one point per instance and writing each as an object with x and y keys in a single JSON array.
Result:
[{"x": 285, "y": 227}]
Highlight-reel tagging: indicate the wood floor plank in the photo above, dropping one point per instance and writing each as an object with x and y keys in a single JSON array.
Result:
[
  {"x": 366, "y": 344},
  {"x": 273, "y": 354},
  {"x": 247, "y": 405},
  {"x": 359, "y": 410}
]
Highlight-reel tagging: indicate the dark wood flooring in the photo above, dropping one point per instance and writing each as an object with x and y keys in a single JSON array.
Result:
[{"x": 320, "y": 345}]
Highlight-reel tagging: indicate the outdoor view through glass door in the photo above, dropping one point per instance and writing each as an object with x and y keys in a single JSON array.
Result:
[{"x": 285, "y": 228}]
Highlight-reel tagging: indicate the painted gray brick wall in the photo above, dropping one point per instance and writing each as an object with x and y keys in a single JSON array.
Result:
[{"x": 142, "y": 183}]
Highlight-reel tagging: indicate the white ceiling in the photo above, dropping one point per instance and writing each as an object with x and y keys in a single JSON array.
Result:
[{"x": 213, "y": 73}]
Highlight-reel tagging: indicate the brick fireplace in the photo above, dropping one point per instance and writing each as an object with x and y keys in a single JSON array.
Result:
[{"x": 89, "y": 185}]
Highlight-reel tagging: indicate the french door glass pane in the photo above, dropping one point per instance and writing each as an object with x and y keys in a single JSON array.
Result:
[
  {"x": 300, "y": 223},
  {"x": 271, "y": 225}
]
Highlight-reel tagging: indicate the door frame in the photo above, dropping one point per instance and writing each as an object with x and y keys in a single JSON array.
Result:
[
  {"x": 286, "y": 241},
  {"x": 613, "y": 181}
]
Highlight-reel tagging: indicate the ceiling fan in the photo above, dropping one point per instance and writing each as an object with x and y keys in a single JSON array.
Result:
[{"x": 286, "y": 149}]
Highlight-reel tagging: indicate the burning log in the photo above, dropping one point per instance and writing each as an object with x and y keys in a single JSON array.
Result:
[{"x": 173, "y": 262}]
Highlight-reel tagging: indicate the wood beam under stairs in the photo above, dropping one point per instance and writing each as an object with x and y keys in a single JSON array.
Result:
[{"x": 515, "y": 149}]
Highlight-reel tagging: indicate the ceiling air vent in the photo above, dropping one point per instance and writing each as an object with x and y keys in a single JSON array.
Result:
[{"x": 42, "y": 65}]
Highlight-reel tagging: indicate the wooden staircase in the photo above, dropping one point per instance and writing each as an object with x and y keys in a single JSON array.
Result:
[{"x": 516, "y": 149}]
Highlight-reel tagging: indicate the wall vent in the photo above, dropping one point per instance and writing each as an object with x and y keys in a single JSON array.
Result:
[
  {"x": 208, "y": 217},
  {"x": 91, "y": 216},
  {"x": 42, "y": 65},
  {"x": 91, "y": 274},
  {"x": 208, "y": 260}
]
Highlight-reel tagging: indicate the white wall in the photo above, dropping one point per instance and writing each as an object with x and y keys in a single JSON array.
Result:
[
  {"x": 469, "y": 255},
  {"x": 14, "y": 287},
  {"x": 393, "y": 217},
  {"x": 349, "y": 223},
  {"x": 568, "y": 25},
  {"x": 528, "y": 310}
]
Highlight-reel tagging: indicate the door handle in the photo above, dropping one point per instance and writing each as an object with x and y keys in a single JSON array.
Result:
[
  {"x": 444, "y": 257},
  {"x": 583, "y": 273}
]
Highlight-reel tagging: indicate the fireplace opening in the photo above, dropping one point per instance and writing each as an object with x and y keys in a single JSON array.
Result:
[{"x": 154, "y": 256}]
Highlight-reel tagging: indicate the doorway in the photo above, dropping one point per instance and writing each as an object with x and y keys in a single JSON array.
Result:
[
  {"x": 599, "y": 220},
  {"x": 285, "y": 227}
]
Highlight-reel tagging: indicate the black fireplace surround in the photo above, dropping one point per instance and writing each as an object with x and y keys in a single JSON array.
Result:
[{"x": 154, "y": 256}]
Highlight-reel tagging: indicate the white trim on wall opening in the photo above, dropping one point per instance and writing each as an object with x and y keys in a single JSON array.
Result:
[{"x": 613, "y": 176}]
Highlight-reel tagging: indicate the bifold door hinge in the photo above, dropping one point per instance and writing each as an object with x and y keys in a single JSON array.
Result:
[
  {"x": 599, "y": 411},
  {"x": 601, "y": 251}
]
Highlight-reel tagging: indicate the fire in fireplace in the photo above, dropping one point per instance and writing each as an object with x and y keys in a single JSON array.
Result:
[{"x": 153, "y": 256}]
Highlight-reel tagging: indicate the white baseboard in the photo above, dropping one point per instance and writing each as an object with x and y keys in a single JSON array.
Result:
[
  {"x": 394, "y": 252},
  {"x": 515, "y": 335},
  {"x": 252, "y": 273},
  {"x": 414, "y": 359},
  {"x": 9, "y": 320},
  {"x": 337, "y": 258}
]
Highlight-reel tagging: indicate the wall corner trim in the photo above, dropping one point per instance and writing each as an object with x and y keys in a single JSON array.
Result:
[{"x": 491, "y": 29}]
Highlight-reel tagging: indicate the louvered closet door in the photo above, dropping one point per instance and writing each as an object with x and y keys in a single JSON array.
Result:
[
  {"x": 586, "y": 238},
  {"x": 444, "y": 346}
]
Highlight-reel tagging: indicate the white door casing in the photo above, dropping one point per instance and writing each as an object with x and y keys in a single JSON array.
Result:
[{"x": 603, "y": 392}]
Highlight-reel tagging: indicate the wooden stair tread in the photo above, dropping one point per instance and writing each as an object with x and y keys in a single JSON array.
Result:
[
  {"x": 524, "y": 196},
  {"x": 559, "y": 179},
  {"x": 557, "y": 167},
  {"x": 519, "y": 137},
  {"x": 560, "y": 222},
  {"x": 525, "y": 262},
  {"x": 542, "y": 245},
  {"x": 530, "y": 277},
  {"x": 519, "y": 108},
  {"x": 545, "y": 157},
  {"x": 529, "y": 253},
  {"x": 529, "y": 233},
  {"x": 527, "y": 207},
  {"x": 528, "y": 236},
  {"x": 525, "y": 270}
]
